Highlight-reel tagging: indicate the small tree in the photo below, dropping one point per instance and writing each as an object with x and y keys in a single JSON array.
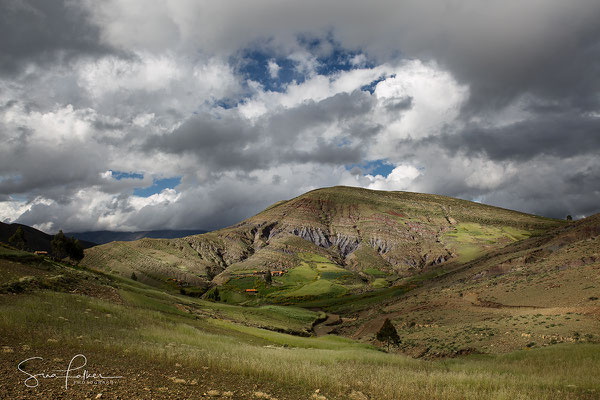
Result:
[
  {"x": 18, "y": 238},
  {"x": 134, "y": 276},
  {"x": 74, "y": 249},
  {"x": 59, "y": 245},
  {"x": 63, "y": 246},
  {"x": 388, "y": 334},
  {"x": 569, "y": 218},
  {"x": 268, "y": 277}
]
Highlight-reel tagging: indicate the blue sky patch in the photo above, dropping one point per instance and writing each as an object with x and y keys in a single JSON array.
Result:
[
  {"x": 371, "y": 86},
  {"x": 158, "y": 186},
  {"x": 331, "y": 57},
  {"x": 254, "y": 65},
  {"x": 338, "y": 61},
  {"x": 226, "y": 103},
  {"x": 375, "y": 167},
  {"x": 118, "y": 175}
]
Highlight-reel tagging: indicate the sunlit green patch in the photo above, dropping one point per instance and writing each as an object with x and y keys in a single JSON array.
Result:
[
  {"x": 318, "y": 288},
  {"x": 380, "y": 283},
  {"x": 331, "y": 271}
]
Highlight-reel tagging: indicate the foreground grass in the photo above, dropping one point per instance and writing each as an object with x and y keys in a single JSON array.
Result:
[{"x": 335, "y": 365}]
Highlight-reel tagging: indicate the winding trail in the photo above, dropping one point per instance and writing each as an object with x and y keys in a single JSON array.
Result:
[{"x": 327, "y": 326}]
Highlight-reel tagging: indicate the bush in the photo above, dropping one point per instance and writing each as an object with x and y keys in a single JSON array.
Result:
[{"x": 18, "y": 239}]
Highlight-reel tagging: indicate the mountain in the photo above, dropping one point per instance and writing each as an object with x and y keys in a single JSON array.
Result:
[
  {"x": 36, "y": 239},
  {"x": 328, "y": 242},
  {"x": 102, "y": 237}
]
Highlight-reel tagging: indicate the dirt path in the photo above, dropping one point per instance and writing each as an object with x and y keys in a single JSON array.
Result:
[
  {"x": 474, "y": 299},
  {"x": 327, "y": 326}
]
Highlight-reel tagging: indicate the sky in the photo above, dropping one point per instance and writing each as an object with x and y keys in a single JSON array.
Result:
[{"x": 185, "y": 114}]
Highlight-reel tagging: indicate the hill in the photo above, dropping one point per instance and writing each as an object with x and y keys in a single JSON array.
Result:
[
  {"x": 102, "y": 237},
  {"x": 36, "y": 239},
  {"x": 327, "y": 243},
  {"x": 533, "y": 293}
]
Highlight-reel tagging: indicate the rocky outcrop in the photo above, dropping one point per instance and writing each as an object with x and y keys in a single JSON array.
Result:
[
  {"x": 208, "y": 251},
  {"x": 380, "y": 245},
  {"x": 314, "y": 235},
  {"x": 221, "y": 252},
  {"x": 346, "y": 244},
  {"x": 268, "y": 231}
]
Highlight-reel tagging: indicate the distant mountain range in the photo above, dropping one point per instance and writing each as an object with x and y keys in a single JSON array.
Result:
[
  {"x": 102, "y": 237},
  {"x": 38, "y": 240},
  {"x": 35, "y": 239}
]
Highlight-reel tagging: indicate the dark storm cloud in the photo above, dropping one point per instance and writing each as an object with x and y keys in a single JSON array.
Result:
[
  {"x": 546, "y": 48},
  {"x": 221, "y": 143},
  {"x": 232, "y": 142},
  {"x": 556, "y": 135},
  {"x": 558, "y": 62},
  {"x": 340, "y": 107},
  {"x": 45, "y": 32},
  {"x": 32, "y": 169},
  {"x": 324, "y": 153}
]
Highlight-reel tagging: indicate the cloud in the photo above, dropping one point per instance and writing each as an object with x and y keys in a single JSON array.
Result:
[
  {"x": 468, "y": 37},
  {"x": 294, "y": 135},
  {"x": 273, "y": 69},
  {"x": 38, "y": 33},
  {"x": 494, "y": 102},
  {"x": 562, "y": 135},
  {"x": 400, "y": 178}
]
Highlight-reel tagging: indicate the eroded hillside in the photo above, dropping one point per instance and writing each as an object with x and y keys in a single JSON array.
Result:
[{"x": 332, "y": 241}]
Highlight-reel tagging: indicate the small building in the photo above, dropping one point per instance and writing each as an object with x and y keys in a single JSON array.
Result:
[
  {"x": 277, "y": 273},
  {"x": 251, "y": 291},
  {"x": 40, "y": 253}
]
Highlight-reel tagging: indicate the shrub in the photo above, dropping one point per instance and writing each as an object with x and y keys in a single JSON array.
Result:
[{"x": 388, "y": 334}]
